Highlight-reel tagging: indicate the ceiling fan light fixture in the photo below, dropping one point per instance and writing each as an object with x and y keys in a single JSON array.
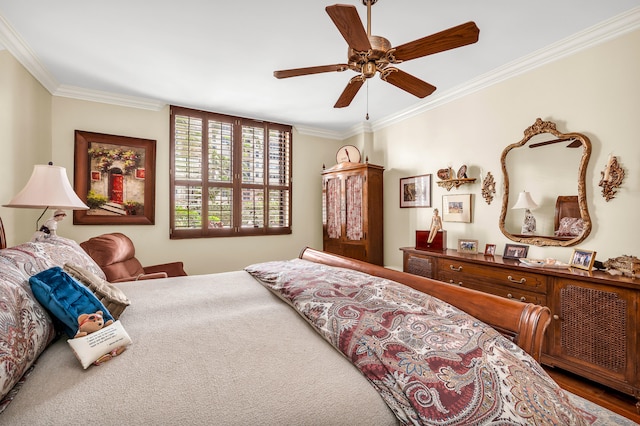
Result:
[{"x": 369, "y": 69}]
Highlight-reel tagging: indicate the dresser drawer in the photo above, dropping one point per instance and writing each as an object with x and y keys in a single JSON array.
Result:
[
  {"x": 467, "y": 274},
  {"x": 511, "y": 293}
]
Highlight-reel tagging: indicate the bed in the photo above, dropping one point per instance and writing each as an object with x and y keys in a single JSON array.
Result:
[{"x": 276, "y": 343}]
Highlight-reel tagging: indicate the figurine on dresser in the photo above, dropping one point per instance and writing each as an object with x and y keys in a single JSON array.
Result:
[
  {"x": 435, "y": 238},
  {"x": 436, "y": 225}
]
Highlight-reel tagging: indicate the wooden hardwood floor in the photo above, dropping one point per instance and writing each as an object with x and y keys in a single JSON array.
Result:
[{"x": 611, "y": 399}]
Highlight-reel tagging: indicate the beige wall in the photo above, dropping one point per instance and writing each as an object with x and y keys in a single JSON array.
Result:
[
  {"x": 595, "y": 92},
  {"x": 25, "y": 140},
  {"x": 200, "y": 255}
]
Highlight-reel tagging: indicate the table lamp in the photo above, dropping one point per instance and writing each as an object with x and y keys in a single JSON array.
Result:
[
  {"x": 48, "y": 187},
  {"x": 526, "y": 202}
]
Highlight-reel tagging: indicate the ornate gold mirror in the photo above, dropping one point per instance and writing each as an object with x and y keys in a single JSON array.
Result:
[{"x": 543, "y": 202}]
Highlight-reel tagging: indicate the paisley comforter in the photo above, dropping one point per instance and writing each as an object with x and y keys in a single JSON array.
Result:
[{"x": 430, "y": 362}]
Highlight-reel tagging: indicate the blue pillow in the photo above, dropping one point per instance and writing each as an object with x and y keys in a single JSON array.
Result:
[{"x": 65, "y": 298}]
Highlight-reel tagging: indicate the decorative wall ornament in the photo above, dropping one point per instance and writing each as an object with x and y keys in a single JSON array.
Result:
[
  {"x": 612, "y": 178},
  {"x": 488, "y": 187},
  {"x": 449, "y": 179}
]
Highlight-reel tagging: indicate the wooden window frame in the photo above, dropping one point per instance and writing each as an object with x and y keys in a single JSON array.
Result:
[{"x": 236, "y": 184}]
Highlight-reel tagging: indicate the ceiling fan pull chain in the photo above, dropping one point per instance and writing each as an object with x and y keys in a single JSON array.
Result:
[{"x": 367, "y": 116}]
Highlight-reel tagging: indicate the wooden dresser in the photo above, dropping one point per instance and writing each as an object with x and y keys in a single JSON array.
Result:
[{"x": 595, "y": 327}]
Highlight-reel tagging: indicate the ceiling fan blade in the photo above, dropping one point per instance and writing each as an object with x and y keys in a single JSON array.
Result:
[
  {"x": 295, "y": 72},
  {"x": 574, "y": 143},
  {"x": 451, "y": 38},
  {"x": 407, "y": 82},
  {"x": 350, "y": 91},
  {"x": 346, "y": 18}
]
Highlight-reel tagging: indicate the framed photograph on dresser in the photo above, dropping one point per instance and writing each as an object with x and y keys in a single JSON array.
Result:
[
  {"x": 489, "y": 249},
  {"x": 515, "y": 251},
  {"x": 582, "y": 259},
  {"x": 467, "y": 246}
]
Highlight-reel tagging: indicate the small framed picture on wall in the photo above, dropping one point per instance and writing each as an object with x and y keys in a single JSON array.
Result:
[
  {"x": 415, "y": 191},
  {"x": 456, "y": 208}
]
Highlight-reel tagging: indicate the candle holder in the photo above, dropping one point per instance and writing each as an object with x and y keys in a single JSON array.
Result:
[{"x": 612, "y": 177}]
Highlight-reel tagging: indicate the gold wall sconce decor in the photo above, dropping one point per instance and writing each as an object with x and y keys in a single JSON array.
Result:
[
  {"x": 612, "y": 177},
  {"x": 488, "y": 187}
]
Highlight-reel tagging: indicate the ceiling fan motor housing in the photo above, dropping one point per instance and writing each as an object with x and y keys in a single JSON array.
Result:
[{"x": 368, "y": 62}]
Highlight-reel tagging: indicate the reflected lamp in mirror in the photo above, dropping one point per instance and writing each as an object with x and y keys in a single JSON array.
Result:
[
  {"x": 47, "y": 188},
  {"x": 526, "y": 202}
]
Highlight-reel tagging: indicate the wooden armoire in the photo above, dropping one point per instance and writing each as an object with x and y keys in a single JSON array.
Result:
[{"x": 352, "y": 211}]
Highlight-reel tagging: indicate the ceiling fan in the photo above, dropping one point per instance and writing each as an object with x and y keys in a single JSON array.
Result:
[{"x": 369, "y": 54}]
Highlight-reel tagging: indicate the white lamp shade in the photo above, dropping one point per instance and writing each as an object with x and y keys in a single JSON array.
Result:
[
  {"x": 525, "y": 201},
  {"x": 48, "y": 186}
]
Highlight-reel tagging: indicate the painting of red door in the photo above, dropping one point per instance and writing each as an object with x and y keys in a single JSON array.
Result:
[
  {"x": 115, "y": 177},
  {"x": 116, "y": 184}
]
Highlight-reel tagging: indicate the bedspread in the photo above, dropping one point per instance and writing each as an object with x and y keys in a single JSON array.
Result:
[{"x": 430, "y": 362}]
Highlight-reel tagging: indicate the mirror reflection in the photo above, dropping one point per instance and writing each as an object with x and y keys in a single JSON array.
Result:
[{"x": 544, "y": 201}]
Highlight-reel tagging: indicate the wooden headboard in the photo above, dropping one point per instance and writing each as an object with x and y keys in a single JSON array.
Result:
[
  {"x": 566, "y": 206},
  {"x": 3, "y": 239},
  {"x": 524, "y": 323}
]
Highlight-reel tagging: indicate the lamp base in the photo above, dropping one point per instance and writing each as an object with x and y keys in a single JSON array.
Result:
[{"x": 529, "y": 225}]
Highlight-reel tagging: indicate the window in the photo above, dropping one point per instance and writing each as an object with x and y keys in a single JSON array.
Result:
[{"x": 230, "y": 176}]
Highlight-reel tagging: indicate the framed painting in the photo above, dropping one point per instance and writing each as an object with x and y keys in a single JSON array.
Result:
[
  {"x": 115, "y": 177},
  {"x": 456, "y": 208},
  {"x": 415, "y": 191}
]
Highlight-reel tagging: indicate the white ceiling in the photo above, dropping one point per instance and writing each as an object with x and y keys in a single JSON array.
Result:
[{"x": 220, "y": 56}]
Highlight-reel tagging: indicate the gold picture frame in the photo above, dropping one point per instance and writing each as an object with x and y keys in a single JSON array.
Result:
[{"x": 582, "y": 259}]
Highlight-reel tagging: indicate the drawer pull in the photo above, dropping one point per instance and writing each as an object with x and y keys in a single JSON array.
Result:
[
  {"x": 452, "y": 282},
  {"x": 556, "y": 317},
  {"x": 458, "y": 269},
  {"x": 522, "y": 280},
  {"x": 522, "y": 299}
]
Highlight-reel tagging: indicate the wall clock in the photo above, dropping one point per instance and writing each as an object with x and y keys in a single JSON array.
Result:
[{"x": 348, "y": 154}]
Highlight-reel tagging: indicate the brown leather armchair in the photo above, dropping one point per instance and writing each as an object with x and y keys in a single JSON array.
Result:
[{"x": 115, "y": 254}]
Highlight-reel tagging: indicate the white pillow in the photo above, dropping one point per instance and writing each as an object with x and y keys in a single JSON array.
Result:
[{"x": 91, "y": 347}]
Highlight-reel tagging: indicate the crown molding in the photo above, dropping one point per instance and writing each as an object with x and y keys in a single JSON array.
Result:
[
  {"x": 108, "y": 98},
  {"x": 593, "y": 36},
  {"x": 321, "y": 133},
  {"x": 20, "y": 50}
]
